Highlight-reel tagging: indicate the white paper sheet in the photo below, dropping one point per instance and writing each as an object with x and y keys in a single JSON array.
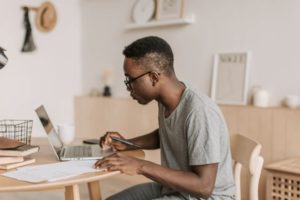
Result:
[{"x": 52, "y": 172}]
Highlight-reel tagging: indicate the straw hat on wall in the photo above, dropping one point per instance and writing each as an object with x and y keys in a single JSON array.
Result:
[{"x": 46, "y": 17}]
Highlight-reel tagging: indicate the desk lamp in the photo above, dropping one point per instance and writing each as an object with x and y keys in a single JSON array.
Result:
[{"x": 3, "y": 58}]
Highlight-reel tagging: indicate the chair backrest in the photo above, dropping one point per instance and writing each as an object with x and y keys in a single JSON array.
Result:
[{"x": 246, "y": 154}]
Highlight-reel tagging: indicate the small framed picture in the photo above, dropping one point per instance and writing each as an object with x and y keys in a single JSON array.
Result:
[
  {"x": 169, "y": 9},
  {"x": 230, "y": 78}
]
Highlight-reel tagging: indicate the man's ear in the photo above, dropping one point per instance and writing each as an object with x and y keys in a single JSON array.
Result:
[{"x": 154, "y": 76}]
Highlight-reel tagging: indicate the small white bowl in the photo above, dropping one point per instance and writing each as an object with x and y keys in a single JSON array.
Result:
[{"x": 292, "y": 101}]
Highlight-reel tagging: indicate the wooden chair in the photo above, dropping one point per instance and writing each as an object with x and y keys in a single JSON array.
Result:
[{"x": 246, "y": 154}]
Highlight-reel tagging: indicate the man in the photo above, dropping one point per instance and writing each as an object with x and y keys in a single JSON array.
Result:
[{"x": 192, "y": 134}]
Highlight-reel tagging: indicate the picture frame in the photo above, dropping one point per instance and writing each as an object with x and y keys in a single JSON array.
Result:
[
  {"x": 169, "y": 9},
  {"x": 230, "y": 78}
]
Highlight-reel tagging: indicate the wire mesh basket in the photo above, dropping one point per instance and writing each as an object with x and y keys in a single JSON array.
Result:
[{"x": 19, "y": 130}]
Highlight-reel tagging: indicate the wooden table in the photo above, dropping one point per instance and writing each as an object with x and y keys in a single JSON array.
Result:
[
  {"x": 71, "y": 185},
  {"x": 283, "y": 179}
]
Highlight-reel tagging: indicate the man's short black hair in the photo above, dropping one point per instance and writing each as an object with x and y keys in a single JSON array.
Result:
[{"x": 151, "y": 52}]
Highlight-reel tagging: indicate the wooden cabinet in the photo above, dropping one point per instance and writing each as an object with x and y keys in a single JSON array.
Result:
[
  {"x": 283, "y": 179},
  {"x": 276, "y": 128},
  {"x": 96, "y": 115}
]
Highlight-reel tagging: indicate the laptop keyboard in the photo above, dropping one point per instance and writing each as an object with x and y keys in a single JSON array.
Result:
[{"x": 78, "y": 151}]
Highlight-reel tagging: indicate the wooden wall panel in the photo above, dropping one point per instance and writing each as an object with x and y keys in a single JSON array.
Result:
[
  {"x": 96, "y": 115},
  {"x": 278, "y": 135},
  {"x": 293, "y": 133},
  {"x": 231, "y": 118}
]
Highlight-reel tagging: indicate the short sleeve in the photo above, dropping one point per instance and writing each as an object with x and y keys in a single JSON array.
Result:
[{"x": 203, "y": 136}]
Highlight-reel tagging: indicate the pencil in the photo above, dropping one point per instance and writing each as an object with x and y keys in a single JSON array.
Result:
[{"x": 125, "y": 142}]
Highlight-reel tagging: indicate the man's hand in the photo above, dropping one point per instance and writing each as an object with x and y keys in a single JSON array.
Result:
[
  {"x": 120, "y": 162},
  {"x": 106, "y": 141}
]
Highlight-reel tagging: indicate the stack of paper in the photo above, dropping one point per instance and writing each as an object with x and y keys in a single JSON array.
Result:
[{"x": 52, "y": 172}]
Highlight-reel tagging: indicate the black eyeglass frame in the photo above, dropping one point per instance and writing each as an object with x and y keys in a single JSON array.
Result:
[{"x": 129, "y": 80}]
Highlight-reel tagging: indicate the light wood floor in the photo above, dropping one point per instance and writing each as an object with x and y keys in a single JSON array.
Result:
[{"x": 108, "y": 187}]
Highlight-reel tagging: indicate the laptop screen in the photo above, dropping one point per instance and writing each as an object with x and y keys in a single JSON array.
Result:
[{"x": 49, "y": 128}]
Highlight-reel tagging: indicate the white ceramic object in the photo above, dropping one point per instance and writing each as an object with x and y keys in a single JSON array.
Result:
[
  {"x": 261, "y": 98},
  {"x": 66, "y": 133},
  {"x": 143, "y": 11},
  {"x": 292, "y": 101}
]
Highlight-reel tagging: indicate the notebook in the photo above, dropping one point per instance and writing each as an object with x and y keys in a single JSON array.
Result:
[
  {"x": 10, "y": 159},
  {"x": 80, "y": 152},
  {"x": 24, "y": 150},
  {"x": 27, "y": 161}
]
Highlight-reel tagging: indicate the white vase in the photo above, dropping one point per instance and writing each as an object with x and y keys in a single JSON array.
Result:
[{"x": 261, "y": 98}]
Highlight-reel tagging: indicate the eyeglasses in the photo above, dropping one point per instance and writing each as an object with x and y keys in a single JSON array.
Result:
[{"x": 129, "y": 80}]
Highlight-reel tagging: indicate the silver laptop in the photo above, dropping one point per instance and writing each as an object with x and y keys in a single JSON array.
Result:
[{"x": 81, "y": 152}]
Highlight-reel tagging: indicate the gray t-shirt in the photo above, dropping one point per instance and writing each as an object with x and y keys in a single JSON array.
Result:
[{"x": 195, "y": 133}]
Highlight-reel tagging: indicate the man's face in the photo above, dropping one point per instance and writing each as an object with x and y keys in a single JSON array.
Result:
[{"x": 138, "y": 81}]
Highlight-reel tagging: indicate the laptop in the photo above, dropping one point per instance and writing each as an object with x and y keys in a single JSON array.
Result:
[{"x": 80, "y": 152}]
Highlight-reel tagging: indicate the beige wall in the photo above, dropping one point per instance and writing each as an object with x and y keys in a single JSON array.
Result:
[
  {"x": 269, "y": 29},
  {"x": 50, "y": 75},
  {"x": 90, "y": 35}
]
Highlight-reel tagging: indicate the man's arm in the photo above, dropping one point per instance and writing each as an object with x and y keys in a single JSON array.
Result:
[
  {"x": 200, "y": 181},
  {"x": 148, "y": 141}
]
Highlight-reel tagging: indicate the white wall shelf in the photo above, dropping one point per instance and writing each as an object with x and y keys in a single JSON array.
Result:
[{"x": 189, "y": 19}]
